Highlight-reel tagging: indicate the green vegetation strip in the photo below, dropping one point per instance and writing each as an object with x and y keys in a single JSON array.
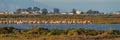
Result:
[
  {"x": 38, "y": 33},
  {"x": 54, "y": 31}
]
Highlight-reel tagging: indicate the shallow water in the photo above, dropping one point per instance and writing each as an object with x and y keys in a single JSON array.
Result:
[{"x": 62, "y": 26}]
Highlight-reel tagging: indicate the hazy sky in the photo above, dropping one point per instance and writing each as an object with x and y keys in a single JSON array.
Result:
[
  {"x": 77, "y": 0},
  {"x": 64, "y": 5}
]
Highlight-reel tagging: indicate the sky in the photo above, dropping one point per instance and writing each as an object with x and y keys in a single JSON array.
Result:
[{"x": 63, "y": 5}]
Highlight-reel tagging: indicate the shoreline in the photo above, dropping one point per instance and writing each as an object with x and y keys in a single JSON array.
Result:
[{"x": 59, "y": 19}]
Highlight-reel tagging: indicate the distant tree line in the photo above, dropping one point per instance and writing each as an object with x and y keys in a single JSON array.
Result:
[
  {"x": 44, "y": 11},
  {"x": 31, "y": 10}
]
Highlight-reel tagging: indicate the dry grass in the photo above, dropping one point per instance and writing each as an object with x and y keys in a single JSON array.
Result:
[{"x": 54, "y": 37}]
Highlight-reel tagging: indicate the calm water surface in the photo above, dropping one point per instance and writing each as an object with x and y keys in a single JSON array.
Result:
[{"x": 62, "y": 26}]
